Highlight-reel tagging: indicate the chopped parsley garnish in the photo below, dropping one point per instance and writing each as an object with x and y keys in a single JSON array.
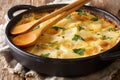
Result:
[
  {"x": 80, "y": 28},
  {"x": 79, "y": 51},
  {"x": 81, "y": 12},
  {"x": 37, "y": 18},
  {"x": 77, "y": 37},
  {"x": 57, "y": 28},
  {"x": 45, "y": 55},
  {"x": 28, "y": 15},
  {"x": 94, "y": 19},
  {"x": 57, "y": 48},
  {"x": 53, "y": 43},
  {"x": 98, "y": 33},
  {"x": 68, "y": 17},
  {"x": 111, "y": 29},
  {"x": 36, "y": 27},
  {"x": 105, "y": 37},
  {"x": 63, "y": 36}
]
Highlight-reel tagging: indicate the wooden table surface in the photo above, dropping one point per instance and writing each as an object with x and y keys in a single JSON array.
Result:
[{"x": 5, "y": 5}]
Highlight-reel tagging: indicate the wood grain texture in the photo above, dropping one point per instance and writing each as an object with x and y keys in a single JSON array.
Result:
[{"x": 5, "y": 5}]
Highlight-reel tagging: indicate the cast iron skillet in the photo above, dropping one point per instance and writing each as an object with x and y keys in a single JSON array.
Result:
[{"x": 61, "y": 67}]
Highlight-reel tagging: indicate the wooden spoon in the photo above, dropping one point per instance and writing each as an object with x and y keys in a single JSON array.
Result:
[
  {"x": 30, "y": 38},
  {"x": 25, "y": 27}
]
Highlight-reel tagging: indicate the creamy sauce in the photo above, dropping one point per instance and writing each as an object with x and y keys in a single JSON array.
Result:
[{"x": 80, "y": 34}]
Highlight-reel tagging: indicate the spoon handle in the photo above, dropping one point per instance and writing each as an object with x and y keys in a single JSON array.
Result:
[
  {"x": 49, "y": 23},
  {"x": 22, "y": 28},
  {"x": 30, "y": 38},
  {"x": 61, "y": 10}
]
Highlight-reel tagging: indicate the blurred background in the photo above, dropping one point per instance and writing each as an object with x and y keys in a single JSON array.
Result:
[{"x": 5, "y": 5}]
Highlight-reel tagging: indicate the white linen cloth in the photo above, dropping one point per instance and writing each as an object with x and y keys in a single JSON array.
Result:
[{"x": 15, "y": 67}]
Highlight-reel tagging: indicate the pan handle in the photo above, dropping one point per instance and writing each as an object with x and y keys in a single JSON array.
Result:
[
  {"x": 16, "y": 8},
  {"x": 111, "y": 55}
]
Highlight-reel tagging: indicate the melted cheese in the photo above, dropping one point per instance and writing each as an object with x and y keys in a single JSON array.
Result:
[{"x": 76, "y": 36}]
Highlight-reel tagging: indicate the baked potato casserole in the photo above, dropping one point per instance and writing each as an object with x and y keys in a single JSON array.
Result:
[{"x": 80, "y": 34}]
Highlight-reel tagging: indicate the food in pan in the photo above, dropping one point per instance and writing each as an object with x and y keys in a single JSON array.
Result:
[{"x": 80, "y": 34}]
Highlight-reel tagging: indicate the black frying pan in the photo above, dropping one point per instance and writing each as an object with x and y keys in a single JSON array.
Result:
[{"x": 61, "y": 67}]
